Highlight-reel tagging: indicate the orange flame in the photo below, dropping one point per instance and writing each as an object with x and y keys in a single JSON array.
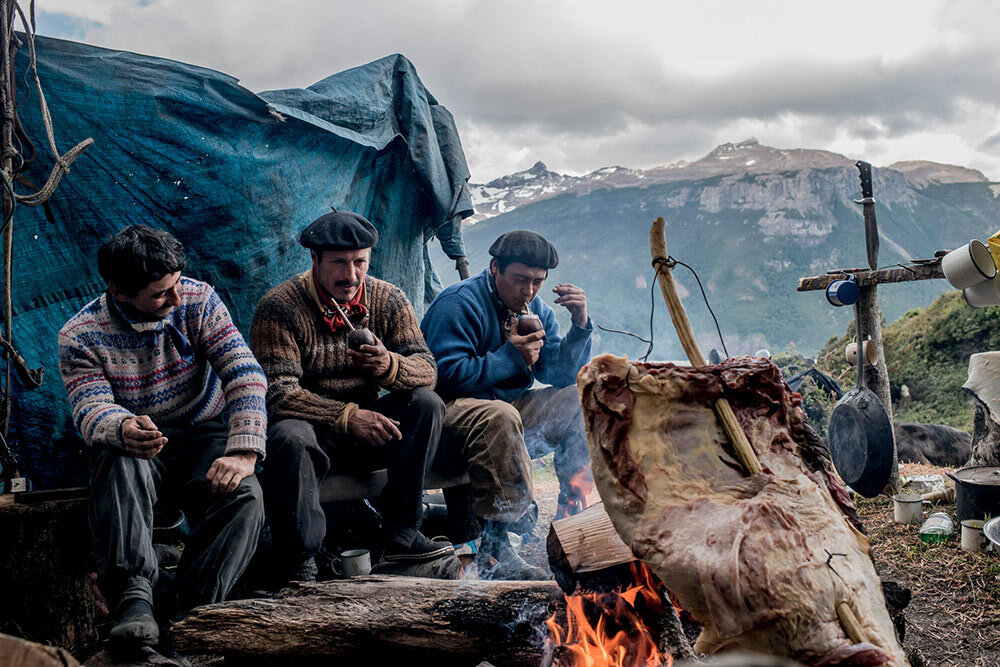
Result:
[
  {"x": 583, "y": 644},
  {"x": 583, "y": 483}
]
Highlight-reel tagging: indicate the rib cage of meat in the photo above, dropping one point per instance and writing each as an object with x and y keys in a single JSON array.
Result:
[{"x": 760, "y": 561}]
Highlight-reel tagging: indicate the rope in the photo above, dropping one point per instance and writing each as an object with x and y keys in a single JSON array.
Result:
[
  {"x": 62, "y": 162},
  {"x": 660, "y": 263},
  {"x": 13, "y": 162},
  {"x": 671, "y": 262}
]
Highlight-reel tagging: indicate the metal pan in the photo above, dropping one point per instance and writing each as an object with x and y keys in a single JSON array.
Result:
[{"x": 861, "y": 439}]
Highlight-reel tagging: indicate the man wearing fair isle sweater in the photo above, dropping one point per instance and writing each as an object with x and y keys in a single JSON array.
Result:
[
  {"x": 171, "y": 402},
  {"x": 323, "y": 396}
]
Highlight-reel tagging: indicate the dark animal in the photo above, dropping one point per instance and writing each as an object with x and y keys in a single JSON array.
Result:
[{"x": 933, "y": 444}]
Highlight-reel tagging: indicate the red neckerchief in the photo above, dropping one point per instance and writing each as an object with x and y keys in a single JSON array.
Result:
[{"x": 355, "y": 308}]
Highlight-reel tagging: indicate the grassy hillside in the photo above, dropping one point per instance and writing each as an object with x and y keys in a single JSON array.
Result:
[{"x": 927, "y": 351}]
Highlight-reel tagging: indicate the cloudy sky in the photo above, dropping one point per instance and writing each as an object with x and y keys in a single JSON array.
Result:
[{"x": 583, "y": 84}]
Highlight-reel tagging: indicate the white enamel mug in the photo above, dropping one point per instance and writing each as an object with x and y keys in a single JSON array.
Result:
[
  {"x": 968, "y": 265},
  {"x": 986, "y": 293}
]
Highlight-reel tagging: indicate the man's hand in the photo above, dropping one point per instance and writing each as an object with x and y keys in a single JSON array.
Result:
[
  {"x": 141, "y": 437},
  {"x": 372, "y": 359},
  {"x": 573, "y": 299},
  {"x": 529, "y": 346},
  {"x": 373, "y": 428},
  {"x": 228, "y": 471}
]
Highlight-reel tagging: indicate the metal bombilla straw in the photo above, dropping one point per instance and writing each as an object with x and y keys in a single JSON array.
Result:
[{"x": 342, "y": 314}]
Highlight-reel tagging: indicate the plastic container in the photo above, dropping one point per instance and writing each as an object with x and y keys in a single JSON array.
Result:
[{"x": 938, "y": 528}]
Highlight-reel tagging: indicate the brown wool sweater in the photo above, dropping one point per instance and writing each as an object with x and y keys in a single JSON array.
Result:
[{"x": 309, "y": 374}]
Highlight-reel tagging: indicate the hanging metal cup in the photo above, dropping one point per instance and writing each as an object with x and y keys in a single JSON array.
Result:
[
  {"x": 970, "y": 264},
  {"x": 986, "y": 293},
  {"x": 843, "y": 292},
  {"x": 870, "y": 352}
]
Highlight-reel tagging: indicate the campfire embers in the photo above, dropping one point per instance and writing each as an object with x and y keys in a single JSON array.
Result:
[{"x": 612, "y": 629}]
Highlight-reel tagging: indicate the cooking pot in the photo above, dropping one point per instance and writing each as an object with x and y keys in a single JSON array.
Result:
[
  {"x": 977, "y": 492},
  {"x": 861, "y": 439}
]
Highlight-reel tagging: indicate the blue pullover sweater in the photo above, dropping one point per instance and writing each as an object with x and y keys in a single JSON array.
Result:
[{"x": 462, "y": 329}]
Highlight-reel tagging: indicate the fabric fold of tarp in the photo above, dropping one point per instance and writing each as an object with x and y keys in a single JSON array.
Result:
[
  {"x": 984, "y": 380},
  {"x": 234, "y": 175}
]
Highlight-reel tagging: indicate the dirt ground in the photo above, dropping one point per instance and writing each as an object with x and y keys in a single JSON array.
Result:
[{"x": 954, "y": 615}]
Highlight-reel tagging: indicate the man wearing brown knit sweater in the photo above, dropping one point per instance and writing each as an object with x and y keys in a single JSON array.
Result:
[{"x": 323, "y": 397}]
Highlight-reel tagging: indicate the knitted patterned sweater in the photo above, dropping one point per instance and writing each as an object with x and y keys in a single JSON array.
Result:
[
  {"x": 309, "y": 374},
  {"x": 188, "y": 368}
]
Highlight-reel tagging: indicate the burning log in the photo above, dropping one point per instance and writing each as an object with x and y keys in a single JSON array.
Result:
[
  {"x": 592, "y": 564},
  {"x": 586, "y": 544},
  {"x": 380, "y": 618}
]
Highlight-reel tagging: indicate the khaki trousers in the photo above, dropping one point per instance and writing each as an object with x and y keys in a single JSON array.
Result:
[{"x": 496, "y": 441}]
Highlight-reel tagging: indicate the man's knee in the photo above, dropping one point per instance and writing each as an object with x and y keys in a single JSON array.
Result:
[
  {"x": 248, "y": 501},
  {"x": 426, "y": 401},
  {"x": 109, "y": 464},
  {"x": 290, "y": 438},
  {"x": 501, "y": 416}
]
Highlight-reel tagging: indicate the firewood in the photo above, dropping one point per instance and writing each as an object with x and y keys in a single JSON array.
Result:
[
  {"x": 585, "y": 543},
  {"x": 379, "y": 618}
]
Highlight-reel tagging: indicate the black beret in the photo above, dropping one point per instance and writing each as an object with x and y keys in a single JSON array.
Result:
[
  {"x": 526, "y": 247},
  {"x": 339, "y": 230}
]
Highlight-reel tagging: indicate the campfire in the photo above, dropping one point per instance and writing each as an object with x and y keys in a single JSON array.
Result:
[{"x": 610, "y": 629}]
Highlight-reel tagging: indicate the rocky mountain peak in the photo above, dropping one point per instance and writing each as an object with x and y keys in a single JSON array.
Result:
[{"x": 730, "y": 160}]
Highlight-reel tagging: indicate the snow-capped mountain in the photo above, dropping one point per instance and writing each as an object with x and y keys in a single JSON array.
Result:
[{"x": 507, "y": 193}]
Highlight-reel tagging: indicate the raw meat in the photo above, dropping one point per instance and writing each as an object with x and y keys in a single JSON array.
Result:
[{"x": 760, "y": 561}]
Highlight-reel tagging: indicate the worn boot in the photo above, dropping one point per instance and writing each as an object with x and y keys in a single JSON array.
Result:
[
  {"x": 509, "y": 565},
  {"x": 306, "y": 571},
  {"x": 135, "y": 627}
]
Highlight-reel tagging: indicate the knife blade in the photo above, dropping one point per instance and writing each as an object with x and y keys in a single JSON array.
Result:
[{"x": 867, "y": 203}]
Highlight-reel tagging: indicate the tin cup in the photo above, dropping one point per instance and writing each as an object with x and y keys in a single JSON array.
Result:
[
  {"x": 973, "y": 538},
  {"x": 907, "y": 508},
  {"x": 843, "y": 292},
  {"x": 870, "y": 352},
  {"x": 986, "y": 293},
  {"x": 968, "y": 265},
  {"x": 353, "y": 563}
]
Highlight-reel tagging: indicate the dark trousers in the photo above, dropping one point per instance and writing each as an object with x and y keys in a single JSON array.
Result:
[
  {"x": 225, "y": 527},
  {"x": 299, "y": 456}
]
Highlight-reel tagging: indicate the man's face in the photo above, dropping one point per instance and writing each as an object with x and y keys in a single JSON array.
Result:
[
  {"x": 518, "y": 284},
  {"x": 341, "y": 272},
  {"x": 156, "y": 299}
]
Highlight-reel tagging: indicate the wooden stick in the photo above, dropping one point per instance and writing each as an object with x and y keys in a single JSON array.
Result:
[
  {"x": 724, "y": 411},
  {"x": 867, "y": 278},
  {"x": 850, "y": 623}
]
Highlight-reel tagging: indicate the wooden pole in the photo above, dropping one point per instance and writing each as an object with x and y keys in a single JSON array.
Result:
[
  {"x": 876, "y": 378},
  {"x": 724, "y": 411},
  {"x": 865, "y": 278},
  {"x": 850, "y": 623}
]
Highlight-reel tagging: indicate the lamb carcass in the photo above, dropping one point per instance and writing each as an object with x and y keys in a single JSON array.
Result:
[{"x": 760, "y": 561}]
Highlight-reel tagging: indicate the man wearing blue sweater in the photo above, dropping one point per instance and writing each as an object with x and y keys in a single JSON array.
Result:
[{"x": 494, "y": 421}]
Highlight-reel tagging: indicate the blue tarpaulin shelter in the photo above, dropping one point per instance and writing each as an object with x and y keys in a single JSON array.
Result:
[{"x": 234, "y": 175}]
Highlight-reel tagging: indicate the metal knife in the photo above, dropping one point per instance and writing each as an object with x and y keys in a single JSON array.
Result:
[{"x": 867, "y": 203}]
